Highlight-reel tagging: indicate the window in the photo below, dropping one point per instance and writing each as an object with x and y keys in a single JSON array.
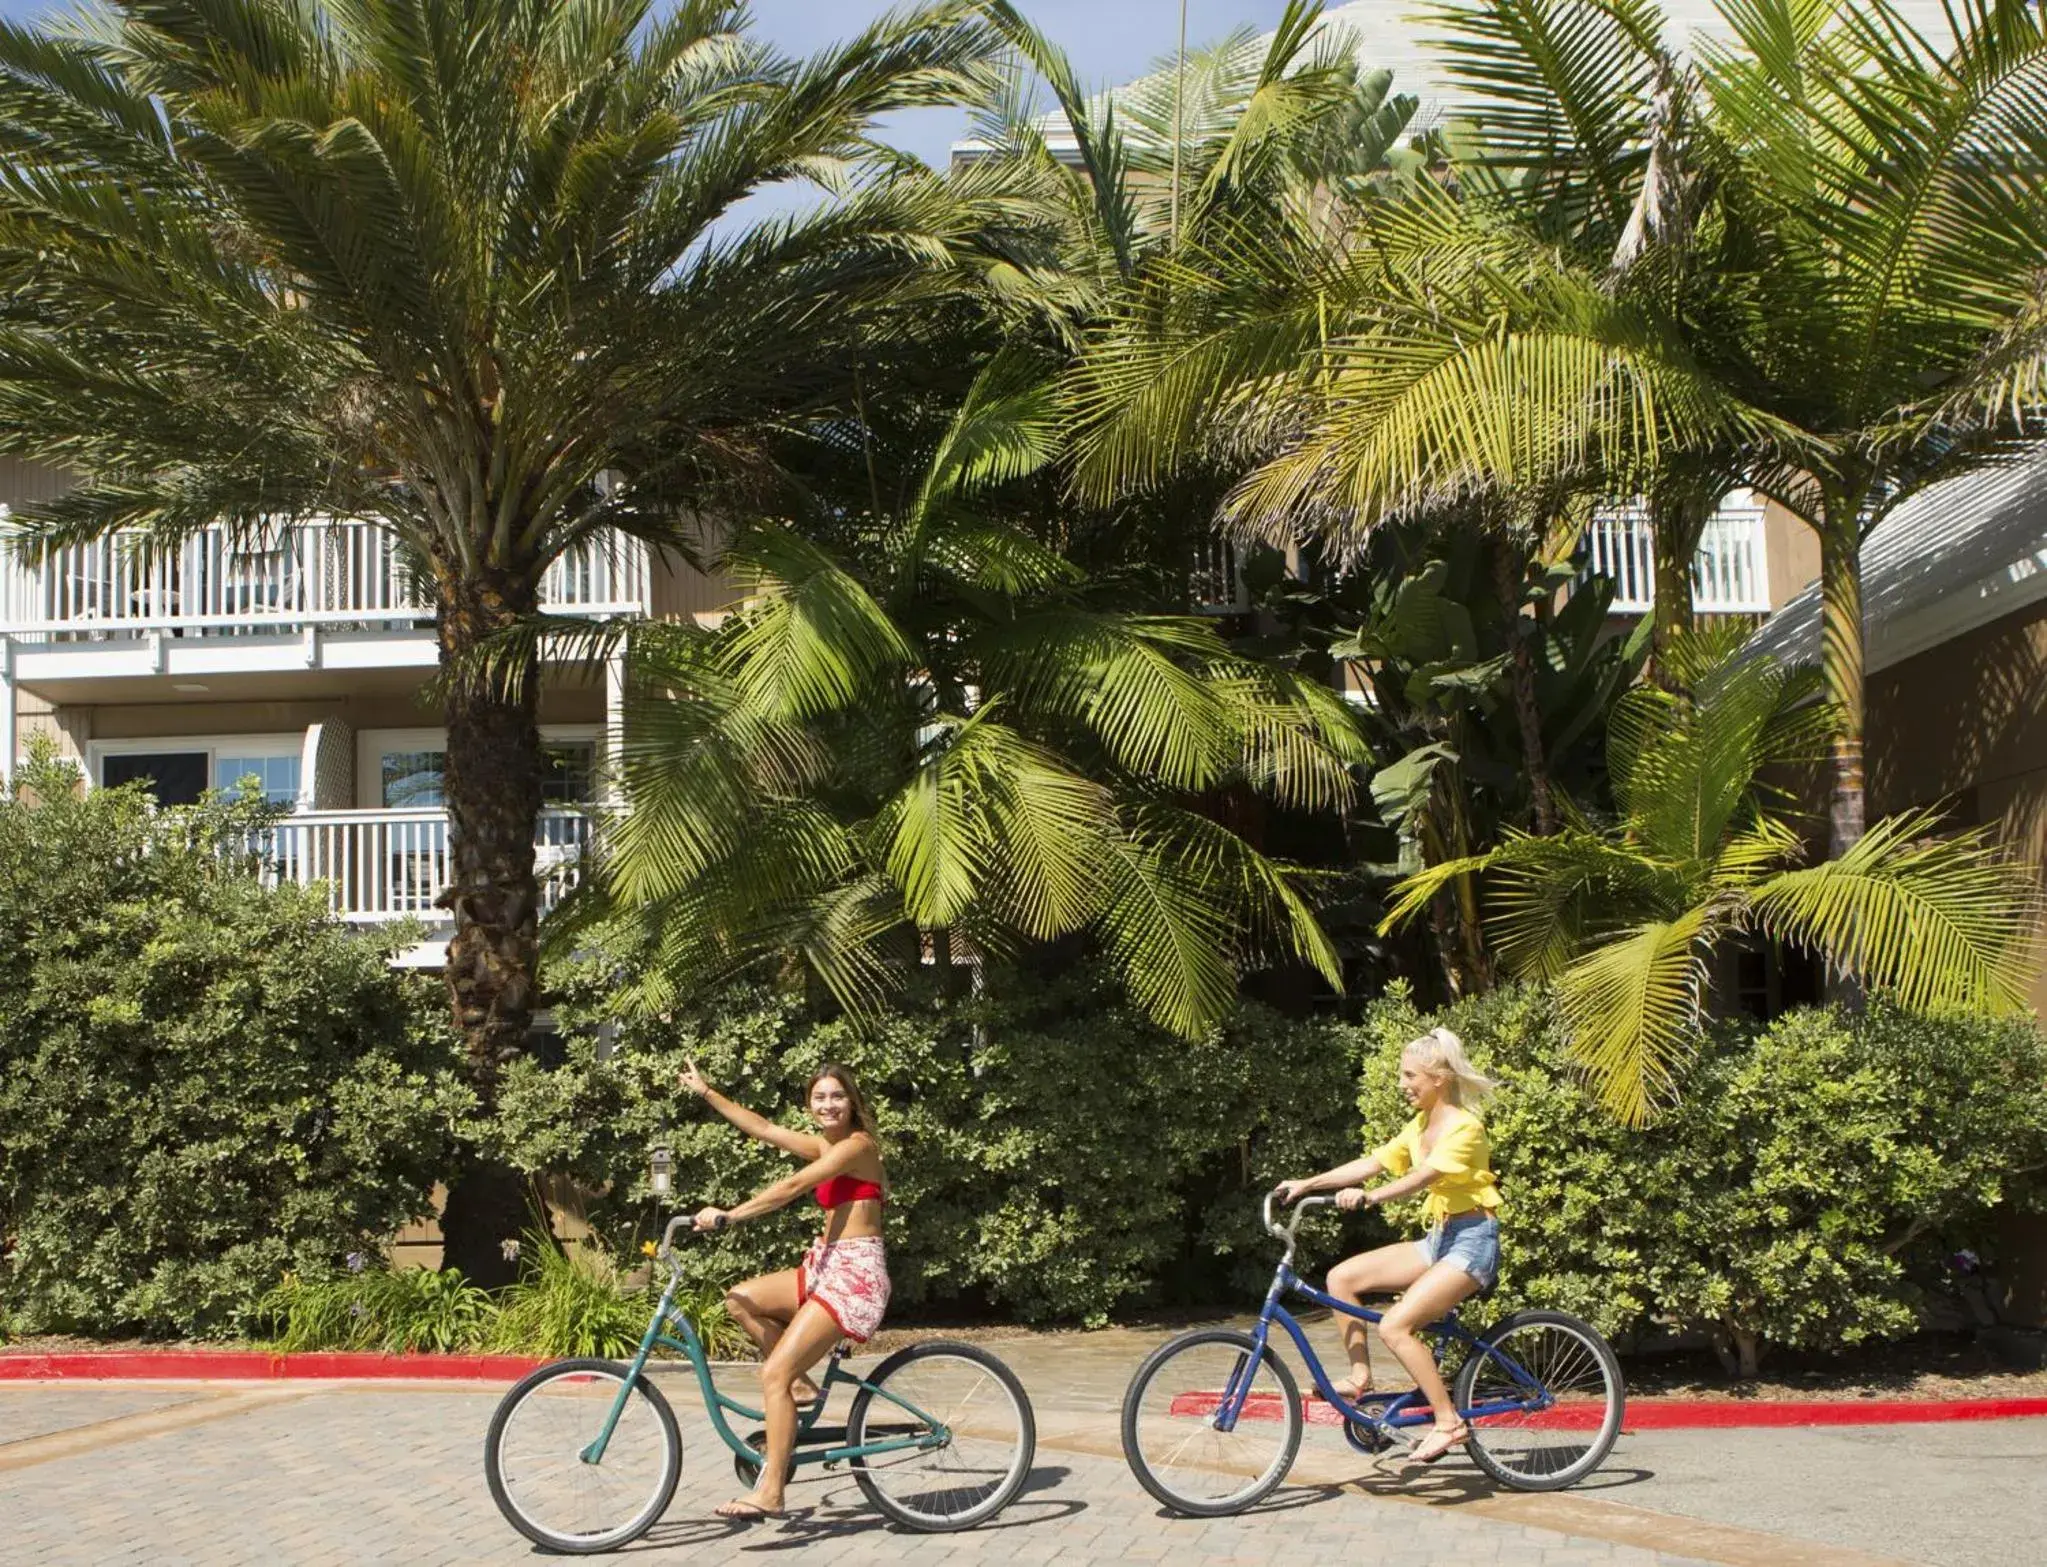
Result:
[
  {"x": 413, "y": 779},
  {"x": 568, "y": 773},
  {"x": 174, "y": 777},
  {"x": 276, "y": 776}
]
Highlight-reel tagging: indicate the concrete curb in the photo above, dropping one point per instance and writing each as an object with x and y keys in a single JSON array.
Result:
[
  {"x": 234, "y": 1365},
  {"x": 1704, "y": 1414}
]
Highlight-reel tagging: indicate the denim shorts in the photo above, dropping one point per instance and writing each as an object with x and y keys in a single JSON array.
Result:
[{"x": 1471, "y": 1241}]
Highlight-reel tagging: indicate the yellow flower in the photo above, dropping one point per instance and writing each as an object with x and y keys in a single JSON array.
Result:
[{"x": 650, "y": 1249}]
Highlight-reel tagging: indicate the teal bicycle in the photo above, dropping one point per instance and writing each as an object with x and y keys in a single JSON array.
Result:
[{"x": 583, "y": 1456}]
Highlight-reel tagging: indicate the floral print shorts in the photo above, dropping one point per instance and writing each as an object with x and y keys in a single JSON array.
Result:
[{"x": 849, "y": 1278}]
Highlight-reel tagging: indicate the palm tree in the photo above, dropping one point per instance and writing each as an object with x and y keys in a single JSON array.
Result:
[
  {"x": 1807, "y": 264},
  {"x": 1893, "y": 310},
  {"x": 466, "y": 270},
  {"x": 943, "y": 740},
  {"x": 1623, "y": 918}
]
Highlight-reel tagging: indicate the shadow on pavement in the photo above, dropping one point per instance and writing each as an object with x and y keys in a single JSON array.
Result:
[
  {"x": 1455, "y": 1488},
  {"x": 802, "y": 1526}
]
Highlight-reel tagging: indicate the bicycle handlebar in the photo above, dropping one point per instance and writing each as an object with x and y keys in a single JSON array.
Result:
[
  {"x": 685, "y": 1222},
  {"x": 1301, "y": 1205}
]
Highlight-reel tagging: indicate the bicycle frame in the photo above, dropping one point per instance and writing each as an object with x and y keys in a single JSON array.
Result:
[
  {"x": 1401, "y": 1410},
  {"x": 718, "y": 1405}
]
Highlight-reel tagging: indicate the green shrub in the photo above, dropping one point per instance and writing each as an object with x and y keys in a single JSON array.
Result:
[
  {"x": 374, "y": 1308},
  {"x": 569, "y": 1301},
  {"x": 204, "y": 1083},
  {"x": 1051, "y": 1155},
  {"x": 1814, "y": 1174}
]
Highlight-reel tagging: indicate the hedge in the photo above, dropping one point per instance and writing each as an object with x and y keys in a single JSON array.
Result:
[{"x": 204, "y": 1082}]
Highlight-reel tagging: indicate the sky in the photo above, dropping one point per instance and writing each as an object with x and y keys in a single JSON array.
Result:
[{"x": 1110, "y": 41}]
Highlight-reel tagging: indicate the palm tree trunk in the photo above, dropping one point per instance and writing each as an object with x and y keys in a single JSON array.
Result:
[
  {"x": 492, "y": 786},
  {"x": 1674, "y": 529},
  {"x": 1842, "y": 667},
  {"x": 1508, "y": 577}
]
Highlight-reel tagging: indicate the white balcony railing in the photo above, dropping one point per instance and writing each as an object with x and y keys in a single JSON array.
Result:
[
  {"x": 320, "y": 573},
  {"x": 391, "y": 864},
  {"x": 1216, "y": 585},
  {"x": 1730, "y": 573}
]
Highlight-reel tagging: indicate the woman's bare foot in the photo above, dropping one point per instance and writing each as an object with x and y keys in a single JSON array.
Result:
[
  {"x": 805, "y": 1391},
  {"x": 745, "y": 1509},
  {"x": 1356, "y": 1385}
]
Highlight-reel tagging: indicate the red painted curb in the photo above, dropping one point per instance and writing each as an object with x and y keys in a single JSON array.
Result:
[
  {"x": 1685, "y": 1414},
  {"x": 257, "y": 1365}
]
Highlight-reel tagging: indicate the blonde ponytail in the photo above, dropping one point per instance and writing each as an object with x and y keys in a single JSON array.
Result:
[{"x": 1442, "y": 1052}]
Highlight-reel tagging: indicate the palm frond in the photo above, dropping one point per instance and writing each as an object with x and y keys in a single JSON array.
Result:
[{"x": 1936, "y": 921}]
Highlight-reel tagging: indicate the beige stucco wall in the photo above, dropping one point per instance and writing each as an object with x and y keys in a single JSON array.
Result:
[
  {"x": 1967, "y": 722},
  {"x": 578, "y": 700},
  {"x": 676, "y": 590},
  {"x": 26, "y": 481},
  {"x": 1791, "y": 551}
]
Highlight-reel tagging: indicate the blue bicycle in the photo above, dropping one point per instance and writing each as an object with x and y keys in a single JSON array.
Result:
[{"x": 1212, "y": 1420}]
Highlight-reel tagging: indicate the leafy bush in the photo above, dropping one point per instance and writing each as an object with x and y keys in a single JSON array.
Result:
[
  {"x": 1795, "y": 1197},
  {"x": 1052, "y": 1154},
  {"x": 374, "y": 1308},
  {"x": 204, "y": 1083},
  {"x": 568, "y": 1301}
]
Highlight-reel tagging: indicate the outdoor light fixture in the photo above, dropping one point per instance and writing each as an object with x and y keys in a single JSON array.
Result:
[{"x": 661, "y": 1170}]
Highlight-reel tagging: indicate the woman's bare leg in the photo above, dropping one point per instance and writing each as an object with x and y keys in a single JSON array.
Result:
[
  {"x": 800, "y": 1346},
  {"x": 1384, "y": 1271},
  {"x": 1426, "y": 1301},
  {"x": 763, "y": 1308}
]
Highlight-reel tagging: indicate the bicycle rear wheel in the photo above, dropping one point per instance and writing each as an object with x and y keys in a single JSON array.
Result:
[
  {"x": 1170, "y": 1435},
  {"x": 533, "y": 1457},
  {"x": 1548, "y": 1358},
  {"x": 967, "y": 1429}
]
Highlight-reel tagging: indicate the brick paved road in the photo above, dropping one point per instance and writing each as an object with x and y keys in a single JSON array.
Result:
[{"x": 348, "y": 1474}]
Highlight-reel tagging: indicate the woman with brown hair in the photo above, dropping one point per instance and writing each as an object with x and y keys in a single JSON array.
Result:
[{"x": 841, "y": 1289}]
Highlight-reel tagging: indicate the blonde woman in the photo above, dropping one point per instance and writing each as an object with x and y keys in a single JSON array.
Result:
[{"x": 1442, "y": 1153}]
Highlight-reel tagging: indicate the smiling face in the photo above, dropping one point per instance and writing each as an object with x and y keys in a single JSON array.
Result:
[
  {"x": 1419, "y": 1085},
  {"x": 831, "y": 1106}
]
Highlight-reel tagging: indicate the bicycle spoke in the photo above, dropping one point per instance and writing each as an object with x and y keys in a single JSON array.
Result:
[
  {"x": 1173, "y": 1436},
  {"x": 547, "y": 1480},
  {"x": 1573, "y": 1381},
  {"x": 972, "y": 1451}
]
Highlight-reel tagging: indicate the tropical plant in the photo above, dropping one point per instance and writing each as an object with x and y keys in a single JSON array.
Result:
[
  {"x": 1841, "y": 215},
  {"x": 1433, "y": 649},
  {"x": 1624, "y": 918},
  {"x": 1806, "y": 262},
  {"x": 370, "y": 1306},
  {"x": 465, "y": 271},
  {"x": 941, "y": 743}
]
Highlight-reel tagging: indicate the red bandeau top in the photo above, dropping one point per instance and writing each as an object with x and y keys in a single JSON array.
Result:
[{"x": 845, "y": 1188}]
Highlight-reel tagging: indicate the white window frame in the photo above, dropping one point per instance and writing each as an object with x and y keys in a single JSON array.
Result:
[
  {"x": 214, "y": 745},
  {"x": 372, "y": 744}
]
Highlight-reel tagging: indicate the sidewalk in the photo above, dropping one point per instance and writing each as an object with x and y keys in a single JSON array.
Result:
[{"x": 383, "y": 1472}]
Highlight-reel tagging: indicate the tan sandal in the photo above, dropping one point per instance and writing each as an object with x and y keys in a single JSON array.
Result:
[
  {"x": 745, "y": 1510},
  {"x": 1355, "y": 1386},
  {"x": 1431, "y": 1448}
]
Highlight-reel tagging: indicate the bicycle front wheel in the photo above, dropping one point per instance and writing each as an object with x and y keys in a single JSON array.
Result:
[
  {"x": 956, "y": 1432},
  {"x": 537, "y": 1457},
  {"x": 1552, "y": 1360},
  {"x": 1171, "y": 1432}
]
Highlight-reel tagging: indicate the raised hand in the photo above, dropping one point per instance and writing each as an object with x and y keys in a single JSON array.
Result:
[{"x": 694, "y": 1081}]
